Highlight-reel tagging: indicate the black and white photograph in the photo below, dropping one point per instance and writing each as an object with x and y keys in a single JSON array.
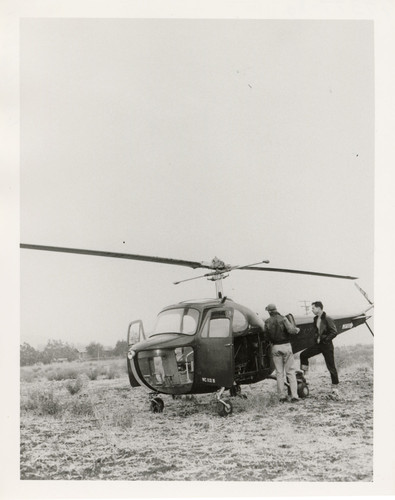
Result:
[{"x": 197, "y": 240}]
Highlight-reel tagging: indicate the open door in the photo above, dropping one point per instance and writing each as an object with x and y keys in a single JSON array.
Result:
[
  {"x": 135, "y": 332},
  {"x": 216, "y": 359}
]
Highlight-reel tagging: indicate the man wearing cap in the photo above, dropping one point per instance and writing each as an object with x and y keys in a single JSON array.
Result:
[{"x": 279, "y": 329}]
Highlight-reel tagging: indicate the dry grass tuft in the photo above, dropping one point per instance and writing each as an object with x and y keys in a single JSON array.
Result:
[
  {"x": 123, "y": 418},
  {"x": 42, "y": 402},
  {"x": 93, "y": 373},
  {"x": 74, "y": 386},
  {"x": 112, "y": 372},
  {"x": 63, "y": 373},
  {"x": 81, "y": 407},
  {"x": 29, "y": 375}
]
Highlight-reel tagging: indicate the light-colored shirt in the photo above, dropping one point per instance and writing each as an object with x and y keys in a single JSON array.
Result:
[{"x": 318, "y": 326}]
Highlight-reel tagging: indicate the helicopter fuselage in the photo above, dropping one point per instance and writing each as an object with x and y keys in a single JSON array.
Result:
[
  {"x": 202, "y": 346},
  {"x": 199, "y": 347}
]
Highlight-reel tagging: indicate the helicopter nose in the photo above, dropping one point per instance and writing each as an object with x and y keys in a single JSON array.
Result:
[{"x": 167, "y": 370}]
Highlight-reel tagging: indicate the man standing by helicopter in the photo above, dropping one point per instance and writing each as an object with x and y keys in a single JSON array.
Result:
[
  {"x": 279, "y": 329},
  {"x": 324, "y": 332}
]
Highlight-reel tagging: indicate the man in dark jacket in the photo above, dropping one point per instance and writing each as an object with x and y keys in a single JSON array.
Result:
[
  {"x": 324, "y": 332},
  {"x": 278, "y": 330}
]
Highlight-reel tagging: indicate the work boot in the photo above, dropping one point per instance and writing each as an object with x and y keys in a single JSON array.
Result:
[{"x": 334, "y": 394}]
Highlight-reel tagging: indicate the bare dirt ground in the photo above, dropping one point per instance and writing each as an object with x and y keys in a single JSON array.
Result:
[{"x": 105, "y": 431}]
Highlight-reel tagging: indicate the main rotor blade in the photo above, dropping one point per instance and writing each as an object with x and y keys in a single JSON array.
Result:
[
  {"x": 174, "y": 262},
  {"x": 146, "y": 258},
  {"x": 296, "y": 271}
]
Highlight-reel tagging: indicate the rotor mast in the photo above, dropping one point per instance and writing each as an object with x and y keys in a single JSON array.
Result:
[
  {"x": 218, "y": 273},
  {"x": 217, "y": 278}
]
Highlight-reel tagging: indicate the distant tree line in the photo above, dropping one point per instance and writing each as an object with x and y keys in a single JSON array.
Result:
[{"x": 56, "y": 350}]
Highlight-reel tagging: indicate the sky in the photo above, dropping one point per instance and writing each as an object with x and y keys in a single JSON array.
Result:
[{"x": 189, "y": 139}]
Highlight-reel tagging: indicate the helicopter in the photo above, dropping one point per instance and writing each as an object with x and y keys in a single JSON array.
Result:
[{"x": 209, "y": 345}]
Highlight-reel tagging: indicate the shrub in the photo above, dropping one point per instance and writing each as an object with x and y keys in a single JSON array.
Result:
[
  {"x": 112, "y": 372},
  {"x": 43, "y": 402},
  {"x": 27, "y": 375},
  {"x": 82, "y": 406},
  {"x": 74, "y": 386},
  {"x": 51, "y": 374},
  {"x": 63, "y": 373},
  {"x": 93, "y": 373}
]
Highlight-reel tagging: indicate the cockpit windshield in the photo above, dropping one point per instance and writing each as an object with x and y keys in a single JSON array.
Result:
[{"x": 181, "y": 320}]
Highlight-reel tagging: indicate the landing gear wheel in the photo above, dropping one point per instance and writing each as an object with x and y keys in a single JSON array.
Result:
[
  {"x": 224, "y": 408},
  {"x": 303, "y": 390},
  {"x": 157, "y": 405}
]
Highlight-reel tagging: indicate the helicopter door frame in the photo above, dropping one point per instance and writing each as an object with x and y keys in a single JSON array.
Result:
[
  {"x": 216, "y": 350},
  {"x": 141, "y": 332}
]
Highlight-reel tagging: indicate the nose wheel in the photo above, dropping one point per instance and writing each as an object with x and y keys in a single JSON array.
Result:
[
  {"x": 157, "y": 405},
  {"x": 224, "y": 406}
]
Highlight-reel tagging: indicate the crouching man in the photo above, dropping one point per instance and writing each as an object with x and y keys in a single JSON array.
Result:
[
  {"x": 324, "y": 332},
  {"x": 278, "y": 330}
]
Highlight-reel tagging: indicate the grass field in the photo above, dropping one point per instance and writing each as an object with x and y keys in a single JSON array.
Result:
[{"x": 84, "y": 421}]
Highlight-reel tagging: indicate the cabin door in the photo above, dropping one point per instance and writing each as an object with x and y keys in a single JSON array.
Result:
[
  {"x": 136, "y": 332},
  {"x": 216, "y": 348}
]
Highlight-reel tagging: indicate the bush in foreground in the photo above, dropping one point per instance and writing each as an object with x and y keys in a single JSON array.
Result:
[
  {"x": 74, "y": 386},
  {"x": 43, "y": 402},
  {"x": 81, "y": 407}
]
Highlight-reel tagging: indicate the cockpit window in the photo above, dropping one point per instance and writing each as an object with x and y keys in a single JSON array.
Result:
[
  {"x": 240, "y": 322},
  {"x": 182, "y": 320}
]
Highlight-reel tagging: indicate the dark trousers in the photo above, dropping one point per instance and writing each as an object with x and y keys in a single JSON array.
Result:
[{"x": 328, "y": 352}]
